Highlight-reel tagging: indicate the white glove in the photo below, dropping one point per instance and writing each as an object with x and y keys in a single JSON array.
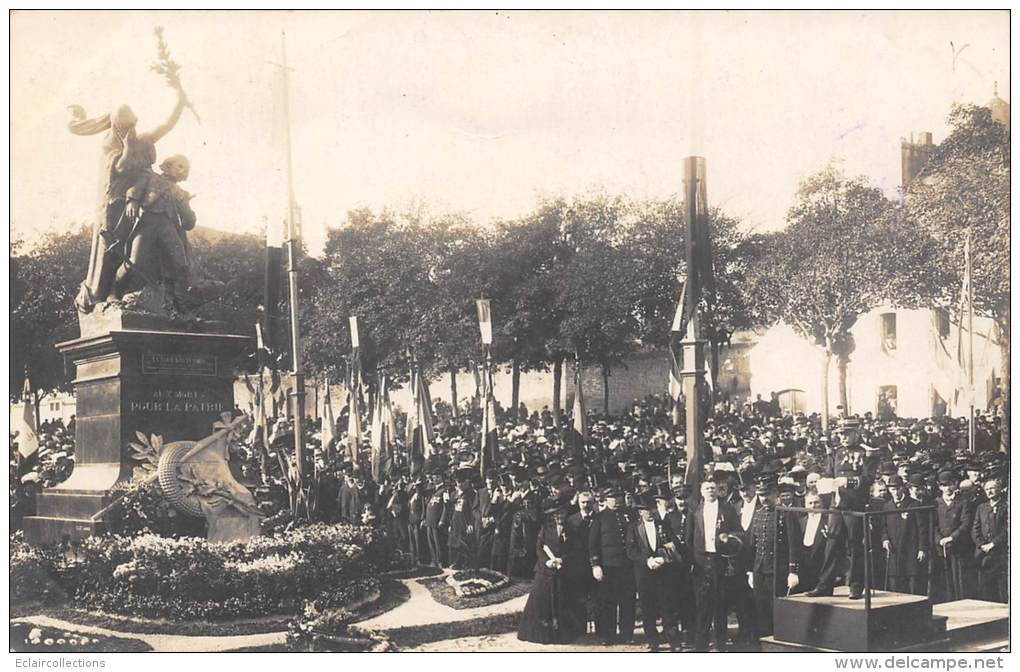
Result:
[
  {"x": 792, "y": 581},
  {"x": 750, "y": 580},
  {"x": 552, "y": 563},
  {"x": 596, "y": 572}
]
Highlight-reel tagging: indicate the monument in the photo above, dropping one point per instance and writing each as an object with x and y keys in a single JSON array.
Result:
[{"x": 144, "y": 363}]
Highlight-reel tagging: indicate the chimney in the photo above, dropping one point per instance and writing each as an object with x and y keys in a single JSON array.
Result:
[{"x": 914, "y": 156}]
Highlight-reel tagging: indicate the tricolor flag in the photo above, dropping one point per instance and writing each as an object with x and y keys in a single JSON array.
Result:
[
  {"x": 676, "y": 387},
  {"x": 964, "y": 395},
  {"x": 328, "y": 422},
  {"x": 25, "y": 426},
  {"x": 354, "y": 433},
  {"x": 419, "y": 423},
  {"x": 579, "y": 422},
  {"x": 384, "y": 430},
  {"x": 485, "y": 321}
]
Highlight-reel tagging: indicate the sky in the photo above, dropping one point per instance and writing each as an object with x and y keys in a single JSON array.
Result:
[{"x": 488, "y": 112}]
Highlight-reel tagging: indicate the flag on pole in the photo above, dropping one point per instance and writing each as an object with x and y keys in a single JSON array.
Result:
[
  {"x": 676, "y": 387},
  {"x": 489, "y": 449},
  {"x": 354, "y": 434},
  {"x": 419, "y": 423},
  {"x": 579, "y": 422},
  {"x": 25, "y": 425},
  {"x": 328, "y": 421},
  {"x": 384, "y": 430},
  {"x": 355, "y": 338},
  {"x": 485, "y": 321},
  {"x": 964, "y": 393}
]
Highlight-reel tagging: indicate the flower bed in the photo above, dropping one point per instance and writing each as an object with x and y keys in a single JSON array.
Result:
[
  {"x": 191, "y": 579},
  {"x": 328, "y": 631},
  {"x": 32, "y": 575},
  {"x": 28, "y": 638},
  {"x": 475, "y": 582}
]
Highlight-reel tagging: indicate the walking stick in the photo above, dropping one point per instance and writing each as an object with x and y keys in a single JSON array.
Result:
[{"x": 887, "y": 554}]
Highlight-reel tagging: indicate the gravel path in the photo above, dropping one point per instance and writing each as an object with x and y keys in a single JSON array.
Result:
[
  {"x": 167, "y": 643},
  {"x": 508, "y": 643},
  {"x": 422, "y": 609}
]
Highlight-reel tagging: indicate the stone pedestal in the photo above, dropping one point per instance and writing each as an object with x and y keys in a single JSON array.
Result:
[{"x": 171, "y": 383}]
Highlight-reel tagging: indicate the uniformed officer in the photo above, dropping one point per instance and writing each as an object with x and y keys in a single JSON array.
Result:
[
  {"x": 612, "y": 570},
  {"x": 770, "y": 552}
]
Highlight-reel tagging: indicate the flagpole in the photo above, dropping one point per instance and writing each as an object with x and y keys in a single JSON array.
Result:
[
  {"x": 693, "y": 346},
  {"x": 292, "y": 275},
  {"x": 971, "y": 433}
]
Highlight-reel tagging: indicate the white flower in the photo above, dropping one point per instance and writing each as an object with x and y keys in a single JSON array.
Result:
[
  {"x": 48, "y": 641},
  {"x": 35, "y": 633},
  {"x": 34, "y": 641},
  {"x": 73, "y": 641},
  {"x": 61, "y": 641},
  {"x": 95, "y": 641}
]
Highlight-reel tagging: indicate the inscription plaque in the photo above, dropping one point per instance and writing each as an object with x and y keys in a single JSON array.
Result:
[{"x": 181, "y": 364}]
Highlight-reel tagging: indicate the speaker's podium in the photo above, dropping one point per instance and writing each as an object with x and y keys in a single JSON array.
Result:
[
  {"x": 894, "y": 621},
  {"x": 883, "y": 621}
]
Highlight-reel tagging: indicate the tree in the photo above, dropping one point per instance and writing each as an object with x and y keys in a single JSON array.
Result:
[
  {"x": 235, "y": 259},
  {"x": 832, "y": 264},
  {"x": 44, "y": 283},
  {"x": 526, "y": 278},
  {"x": 966, "y": 186},
  {"x": 599, "y": 288}
]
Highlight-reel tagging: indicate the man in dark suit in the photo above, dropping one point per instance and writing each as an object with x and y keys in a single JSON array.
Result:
[
  {"x": 711, "y": 532},
  {"x": 954, "y": 547},
  {"x": 845, "y": 532},
  {"x": 650, "y": 549},
  {"x": 904, "y": 541},
  {"x": 807, "y": 539},
  {"x": 989, "y": 533},
  {"x": 612, "y": 570},
  {"x": 582, "y": 585}
]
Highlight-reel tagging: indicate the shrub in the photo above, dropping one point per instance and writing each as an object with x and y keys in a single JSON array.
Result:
[
  {"x": 189, "y": 578},
  {"x": 33, "y": 575}
]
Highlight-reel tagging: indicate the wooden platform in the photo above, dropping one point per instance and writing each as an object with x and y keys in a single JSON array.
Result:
[
  {"x": 897, "y": 624},
  {"x": 837, "y": 623}
]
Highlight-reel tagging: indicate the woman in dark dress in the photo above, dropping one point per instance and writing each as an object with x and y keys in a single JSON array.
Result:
[{"x": 549, "y": 617}]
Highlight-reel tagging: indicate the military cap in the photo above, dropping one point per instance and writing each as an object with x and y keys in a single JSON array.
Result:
[{"x": 895, "y": 481}]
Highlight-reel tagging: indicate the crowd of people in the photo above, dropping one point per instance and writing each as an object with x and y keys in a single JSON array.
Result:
[{"x": 614, "y": 529}]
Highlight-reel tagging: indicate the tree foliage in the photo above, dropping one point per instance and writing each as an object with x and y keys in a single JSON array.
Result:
[{"x": 965, "y": 185}]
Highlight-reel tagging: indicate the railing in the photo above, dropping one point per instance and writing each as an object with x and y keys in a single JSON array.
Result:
[{"x": 866, "y": 516}]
